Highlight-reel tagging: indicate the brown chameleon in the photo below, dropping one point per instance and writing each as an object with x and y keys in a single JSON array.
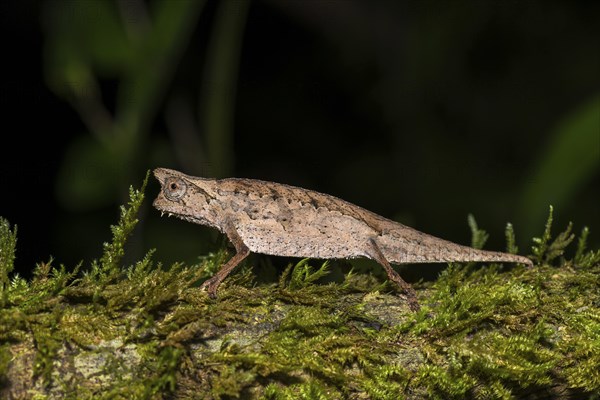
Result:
[{"x": 282, "y": 220}]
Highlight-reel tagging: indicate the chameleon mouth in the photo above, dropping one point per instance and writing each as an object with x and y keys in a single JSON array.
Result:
[
  {"x": 182, "y": 216},
  {"x": 170, "y": 214}
]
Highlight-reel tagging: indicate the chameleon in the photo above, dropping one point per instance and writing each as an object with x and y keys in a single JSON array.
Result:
[{"x": 282, "y": 220}]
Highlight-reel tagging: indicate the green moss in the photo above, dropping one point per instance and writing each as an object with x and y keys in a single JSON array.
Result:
[
  {"x": 582, "y": 258},
  {"x": 144, "y": 331},
  {"x": 8, "y": 242},
  {"x": 47, "y": 346},
  {"x": 108, "y": 269},
  {"x": 311, "y": 350},
  {"x": 545, "y": 251},
  {"x": 302, "y": 275},
  {"x": 5, "y": 358},
  {"x": 490, "y": 334}
]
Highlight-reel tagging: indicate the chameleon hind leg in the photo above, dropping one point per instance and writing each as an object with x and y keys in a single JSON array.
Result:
[{"x": 375, "y": 253}]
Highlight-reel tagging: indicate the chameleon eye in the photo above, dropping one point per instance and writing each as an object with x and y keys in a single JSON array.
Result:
[{"x": 174, "y": 188}]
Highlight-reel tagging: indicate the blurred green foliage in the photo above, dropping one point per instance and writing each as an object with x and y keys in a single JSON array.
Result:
[
  {"x": 398, "y": 107},
  {"x": 138, "y": 50},
  {"x": 570, "y": 160}
]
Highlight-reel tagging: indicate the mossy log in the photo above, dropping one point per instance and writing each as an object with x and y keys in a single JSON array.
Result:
[
  {"x": 483, "y": 334},
  {"x": 147, "y": 332}
]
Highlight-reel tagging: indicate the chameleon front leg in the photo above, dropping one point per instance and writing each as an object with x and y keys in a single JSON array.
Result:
[
  {"x": 375, "y": 253},
  {"x": 242, "y": 251}
]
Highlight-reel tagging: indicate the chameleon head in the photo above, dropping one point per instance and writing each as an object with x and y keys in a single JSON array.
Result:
[
  {"x": 179, "y": 195},
  {"x": 172, "y": 191}
]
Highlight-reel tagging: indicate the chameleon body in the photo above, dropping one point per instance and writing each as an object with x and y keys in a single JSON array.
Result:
[{"x": 281, "y": 220}]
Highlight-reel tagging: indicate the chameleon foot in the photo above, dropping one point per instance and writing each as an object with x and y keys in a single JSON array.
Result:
[{"x": 211, "y": 285}]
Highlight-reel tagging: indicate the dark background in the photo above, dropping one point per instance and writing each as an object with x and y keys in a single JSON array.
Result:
[{"x": 422, "y": 111}]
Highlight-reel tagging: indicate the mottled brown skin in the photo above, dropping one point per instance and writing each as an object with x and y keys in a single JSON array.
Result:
[{"x": 282, "y": 220}]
